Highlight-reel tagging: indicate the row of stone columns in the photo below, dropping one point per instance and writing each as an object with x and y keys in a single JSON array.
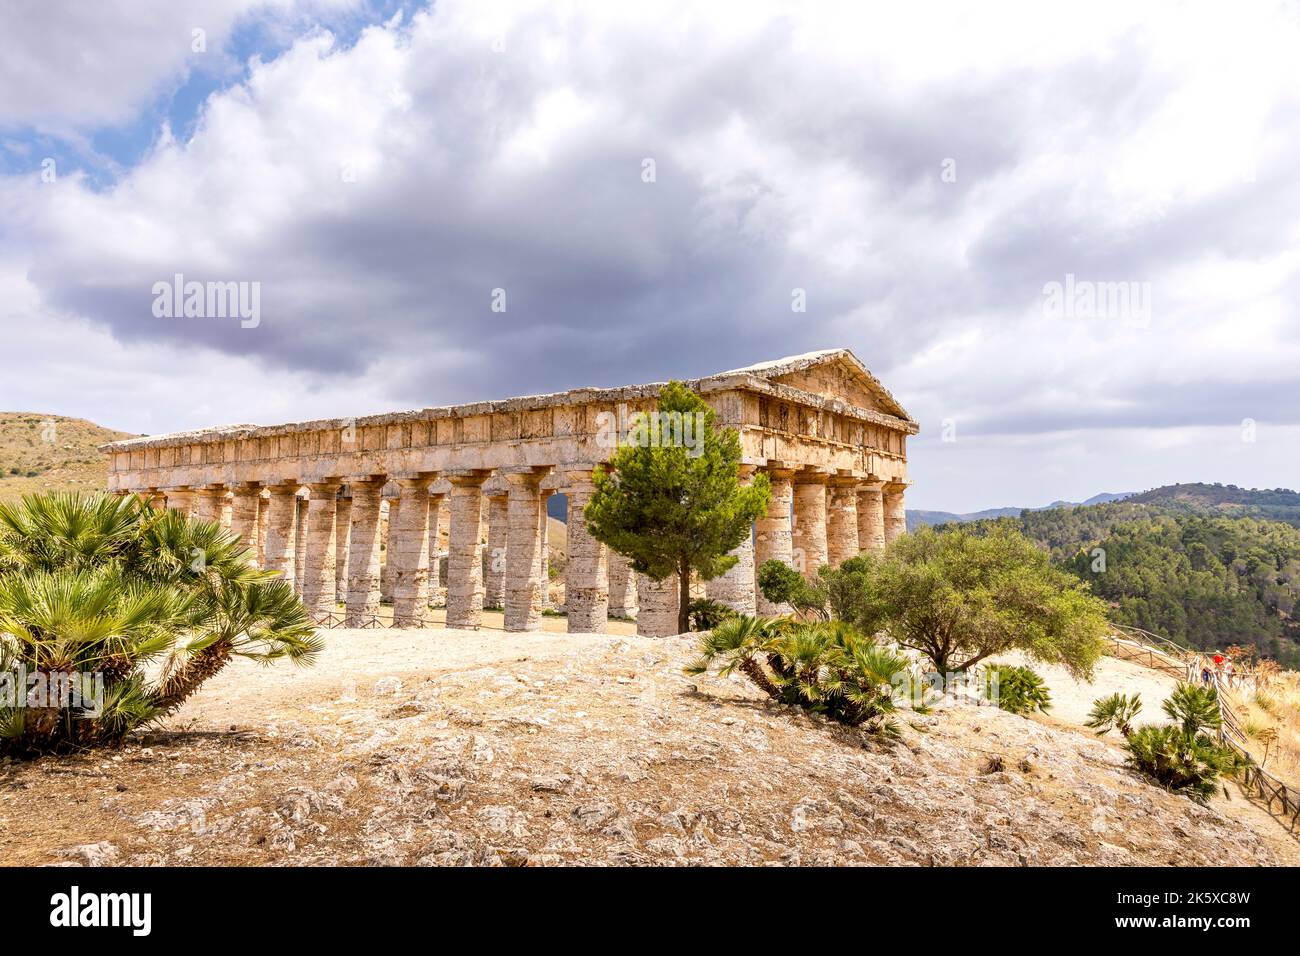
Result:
[
  {"x": 812, "y": 519},
  {"x": 329, "y": 546}
]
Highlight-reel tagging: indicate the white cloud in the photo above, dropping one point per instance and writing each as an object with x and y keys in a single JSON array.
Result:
[{"x": 502, "y": 146}]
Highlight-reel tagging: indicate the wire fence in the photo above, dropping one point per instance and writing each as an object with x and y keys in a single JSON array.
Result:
[{"x": 1162, "y": 654}]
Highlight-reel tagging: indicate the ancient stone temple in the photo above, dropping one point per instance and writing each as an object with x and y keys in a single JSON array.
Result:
[{"x": 323, "y": 500}]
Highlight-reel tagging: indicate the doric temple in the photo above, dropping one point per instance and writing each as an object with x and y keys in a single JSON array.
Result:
[{"x": 310, "y": 495}]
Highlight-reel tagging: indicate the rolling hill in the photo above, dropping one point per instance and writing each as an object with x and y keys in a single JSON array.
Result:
[
  {"x": 40, "y": 452},
  {"x": 1205, "y": 565}
]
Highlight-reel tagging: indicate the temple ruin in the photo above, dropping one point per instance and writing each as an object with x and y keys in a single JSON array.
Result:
[{"x": 311, "y": 495}]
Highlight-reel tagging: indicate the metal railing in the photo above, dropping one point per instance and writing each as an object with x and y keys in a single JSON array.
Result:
[{"x": 1164, "y": 655}]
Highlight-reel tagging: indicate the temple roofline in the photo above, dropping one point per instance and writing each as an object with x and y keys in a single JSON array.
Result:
[{"x": 753, "y": 378}]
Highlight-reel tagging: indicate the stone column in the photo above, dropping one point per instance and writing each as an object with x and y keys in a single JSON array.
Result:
[
  {"x": 207, "y": 503},
  {"x": 546, "y": 554},
  {"x": 842, "y": 521},
  {"x": 465, "y": 552},
  {"x": 243, "y": 517},
  {"x": 342, "y": 528},
  {"x": 437, "y": 505},
  {"x": 586, "y": 582},
  {"x": 657, "y": 614},
  {"x": 263, "y": 507},
  {"x": 408, "y": 553},
  {"x": 622, "y": 585},
  {"x": 387, "y": 521},
  {"x": 871, "y": 517},
  {"x": 772, "y": 533},
  {"x": 736, "y": 588},
  {"x": 181, "y": 500},
  {"x": 280, "y": 513},
  {"x": 895, "y": 513},
  {"x": 363, "y": 552},
  {"x": 494, "y": 565},
  {"x": 319, "y": 576},
  {"x": 809, "y": 532},
  {"x": 299, "y": 544},
  {"x": 158, "y": 500},
  {"x": 525, "y": 521}
]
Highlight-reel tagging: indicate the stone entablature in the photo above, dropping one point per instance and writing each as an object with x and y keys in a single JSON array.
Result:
[{"x": 817, "y": 418}]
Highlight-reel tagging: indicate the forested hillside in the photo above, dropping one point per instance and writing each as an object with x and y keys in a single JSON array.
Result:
[{"x": 1177, "y": 566}]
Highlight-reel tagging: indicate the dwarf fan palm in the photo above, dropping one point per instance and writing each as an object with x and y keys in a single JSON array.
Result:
[{"x": 97, "y": 585}]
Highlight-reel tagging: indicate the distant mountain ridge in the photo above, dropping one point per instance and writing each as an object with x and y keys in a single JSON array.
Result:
[{"x": 916, "y": 519}]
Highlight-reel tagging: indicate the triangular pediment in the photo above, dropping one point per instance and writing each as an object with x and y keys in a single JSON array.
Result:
[{"x": 834, "y": 374}]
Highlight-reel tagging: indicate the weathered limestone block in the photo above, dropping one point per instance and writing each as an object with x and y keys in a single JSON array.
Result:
[
  {"x": 465, "y": 552},
  {"x": 207, "y": 503},
  {"x": 772, "y": 534},
  {"x": 280, "y": 512},
  {"x": 342, "y": 529},
  {"x": 736, "y": 587},
  {"x": 622, "y": 586},
  {"x": 181, "y": 500},
  {"x": 842, "y": 521},
  {"x": 809, "y": 532},
  {"x": 586, "y": 582},
  {"x": 408, "y": 553},
  {"x": 300, "y": 544},
  {"x": 895, "y": 512},
  {"x": 363, "y": 553},
  {"x": 871, "y": 517},
  {"x": 494, "y": 559},
  {"x": 320, "y": 580},
  {"x": 657, "y": 616},
  {"x": 525, "y": 522},
  {"x": 243, "y": 517}
]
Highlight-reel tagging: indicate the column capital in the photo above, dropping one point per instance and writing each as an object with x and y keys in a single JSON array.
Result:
[
  {"x": 871, "y": 484},
  {"x": 894, "y": 487},
  {"x": 412, "y": 486},
  {"x": 524, "y": 476},
  {"x": 324, "y": 489},
  {"x": 812, "y": 475},
  {"x": 468, "y": 477},
  {"x": 366, "y": 484},
  {"x": 578, "y": 473},
  {"x": 429, "y": 477}
]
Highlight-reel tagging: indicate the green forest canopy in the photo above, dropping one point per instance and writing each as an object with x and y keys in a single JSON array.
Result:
[{"x": 1182, "y": 566}]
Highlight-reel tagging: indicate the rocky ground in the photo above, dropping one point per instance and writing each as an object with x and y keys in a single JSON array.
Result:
[{"x": 452, "y": 747}]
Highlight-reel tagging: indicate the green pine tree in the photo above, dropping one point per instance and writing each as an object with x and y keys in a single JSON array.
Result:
[{"x": 671, "y": 501}]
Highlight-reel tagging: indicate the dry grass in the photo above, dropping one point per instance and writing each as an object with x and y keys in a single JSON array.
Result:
[
  {"x": 40, "y": 452},
  {"x": 1271, "y": 719}
]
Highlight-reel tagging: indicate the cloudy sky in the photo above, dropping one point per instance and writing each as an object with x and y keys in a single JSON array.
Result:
[{"x": 649, "y": 184}]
